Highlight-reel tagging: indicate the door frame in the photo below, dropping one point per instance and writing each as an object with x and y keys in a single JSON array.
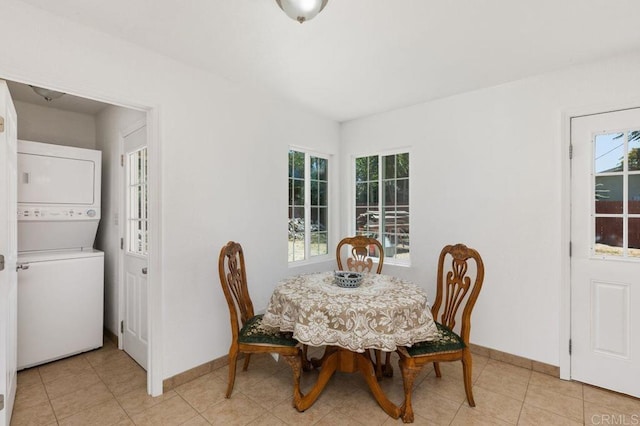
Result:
[
  {"x": 565, "y": 221},
  {"x": 122, "y": 214},
  {"x": 155, "y": 279}
]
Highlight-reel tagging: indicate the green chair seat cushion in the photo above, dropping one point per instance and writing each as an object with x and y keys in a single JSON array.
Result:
[
  {"x": 445, "y": 340},
  {"x": 254, "y": 332}
]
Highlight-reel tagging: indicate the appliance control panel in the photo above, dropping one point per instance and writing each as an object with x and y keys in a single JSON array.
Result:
[{"x": 57, "y": 213}]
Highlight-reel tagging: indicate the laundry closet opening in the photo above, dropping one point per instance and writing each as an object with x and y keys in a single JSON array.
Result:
[{"x": 75, "y": 226}]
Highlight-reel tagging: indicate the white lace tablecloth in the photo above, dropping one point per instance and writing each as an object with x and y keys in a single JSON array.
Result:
[{"x": 383, "y": 313}]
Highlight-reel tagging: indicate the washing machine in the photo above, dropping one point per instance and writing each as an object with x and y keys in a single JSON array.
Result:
[{"x": 60, "y": 274}]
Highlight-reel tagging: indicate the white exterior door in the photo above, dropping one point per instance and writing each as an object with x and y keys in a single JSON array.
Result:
[
  {"x": 135, "y": 328},
  {"x": 605, "y": 261},
  {"x": 9, "y": 254}
]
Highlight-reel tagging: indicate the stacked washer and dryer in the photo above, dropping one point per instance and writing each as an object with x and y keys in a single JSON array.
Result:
[{"x": 60, "y": 274}]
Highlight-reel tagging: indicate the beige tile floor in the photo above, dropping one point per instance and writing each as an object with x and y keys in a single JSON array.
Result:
[{"x": 106, "y": 387}]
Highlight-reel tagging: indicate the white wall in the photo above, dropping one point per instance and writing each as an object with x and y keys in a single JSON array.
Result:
[
  {"x": 110, "y": 123},
  {"x": 486, "y": 170},
  {"x": 224, "y": 157},
  {"x": 56, "y": 126}
]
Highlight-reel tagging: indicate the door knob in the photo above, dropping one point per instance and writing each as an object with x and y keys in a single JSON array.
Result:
[
  {"x": 23, "y": 266},
  {"x": 144, "y": 271}
]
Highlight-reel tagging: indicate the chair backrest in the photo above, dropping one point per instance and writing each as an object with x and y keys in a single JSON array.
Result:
[
  {"x": 359, "y": 259},
  {"x": 233, "y": 278},
  {"x": 455, "y": 281}
]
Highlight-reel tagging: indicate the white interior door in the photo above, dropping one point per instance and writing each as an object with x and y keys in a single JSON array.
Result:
[
  {"x": 135, "y": 328},
  {"x": 605, "y": 261},
  {"x": 9, "y": 254}
]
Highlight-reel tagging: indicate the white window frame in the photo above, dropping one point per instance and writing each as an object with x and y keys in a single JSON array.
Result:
[
  {"x": 380, "y": 154},
  {"x": 625, "y": 173},
  {"x": 308, "y": 259},
  {"x": 142, "y": 219}
]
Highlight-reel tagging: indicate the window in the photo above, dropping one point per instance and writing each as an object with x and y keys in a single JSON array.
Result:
[
  {"x": 308, "y": 205},
  {"x": 137, "y": 212},
  {"x": 382, "y": 202},
  {"x": 616, "y": 184}
]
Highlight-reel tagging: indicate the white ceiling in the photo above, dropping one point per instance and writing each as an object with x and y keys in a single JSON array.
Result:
[{"x": 360, "y": 57}]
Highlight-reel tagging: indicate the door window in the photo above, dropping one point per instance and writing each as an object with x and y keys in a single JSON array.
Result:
[
  {"x": 616, "y": 190},
  {"x": 137, "y": 213}
]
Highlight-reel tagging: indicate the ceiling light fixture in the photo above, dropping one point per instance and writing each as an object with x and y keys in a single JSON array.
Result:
[
  {"x": 302, "y": 10},
  {"x": 47, "y": 94}
]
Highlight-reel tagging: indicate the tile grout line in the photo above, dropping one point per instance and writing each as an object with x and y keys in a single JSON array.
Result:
[
  {"x": 198, "y": 414},
  {"x": 524, "y": 399},
  {"x": 109, "y": 389},
  {"x": 48, "y": 396}
]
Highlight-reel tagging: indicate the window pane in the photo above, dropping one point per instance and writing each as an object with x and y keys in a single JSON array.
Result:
[
  {"x": 634, "y": 237},
  {"x": 298, "y": 213},
  {"x": 146, "y": 237},
  {"x": 322, "y": 218},
  {"x": 390, "y": 193},
  {"x": 314, "y": 168},
  {"x": 403, "y": 221},
  {"x": 298, "y": 165},
  {"x": 389, "y": 164},
  {"x": 319, "y": 244},
  {"x": 291, "y": 163},
  {"x": 367, "y": 221},
  {"x": 402, "y": 246},
  {"x": 361, "y": 219},
  {"x": 290, "y": 191},
  {"x": 373, "y": 167},
  {"x": 323, "y": 189},
  {"x": 609, "y": 153},
  {"x": 362, "y": 171},
  {"x": 608, "y": 194},
  {"x": 314, "y": 193},
  {"x": 361, "y": 194},
  {"x": 608, "y": 235},
  {"x": 403, "y": 192},
  {"x": 323, "y": 169},
  {"x": 296, "y": 234},
  {"x": 634, "y": 150},
  {"x": 298, "y": 192},
  {"x": 402, "y": 165},
  {"x": 373, "y": 194},
  {"x": 634, "y": 194}
]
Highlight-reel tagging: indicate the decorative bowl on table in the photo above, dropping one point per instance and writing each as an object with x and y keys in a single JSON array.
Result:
[{"x": 348, "y": 279}]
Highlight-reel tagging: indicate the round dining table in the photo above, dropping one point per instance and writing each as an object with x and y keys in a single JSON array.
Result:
[{"x": 383, "y": 312}]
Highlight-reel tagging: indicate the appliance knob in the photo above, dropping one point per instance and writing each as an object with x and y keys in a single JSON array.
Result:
[{"x": 91, "y": 213}]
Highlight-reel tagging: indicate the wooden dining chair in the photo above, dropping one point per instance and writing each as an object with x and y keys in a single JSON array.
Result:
[
  {"x": 247, "y": 333},
  {"x": 359, "y": 259},
  {"x": 458, "y": 285}
]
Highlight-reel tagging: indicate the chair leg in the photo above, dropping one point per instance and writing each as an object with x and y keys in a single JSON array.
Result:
[
  {"x": 388, "y": 368},
  {"x": 306, "y": 362},
  {"x": 409, "y": 374},
  {"x": 436, "y": 368},
  {"x": 247, "y": 358},
  {"x": 233, "y": 358},
  {"x": 466, "y": 370},
  {"x": 295, "y": 362},
  {"x": 378, "y": 363}
]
